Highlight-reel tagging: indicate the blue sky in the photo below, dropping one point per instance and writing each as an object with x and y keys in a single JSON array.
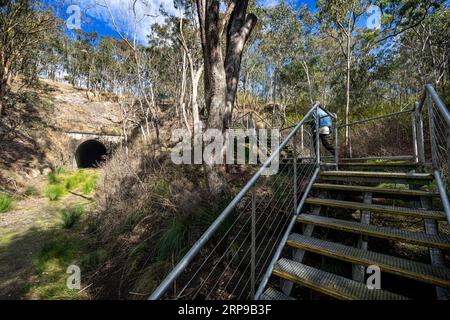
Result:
[{"x": 97, "y": 17}]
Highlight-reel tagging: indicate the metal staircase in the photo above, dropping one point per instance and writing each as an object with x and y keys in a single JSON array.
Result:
[
  {"x": 294, "y": 270},
  {"x": 322, "y": 222}
]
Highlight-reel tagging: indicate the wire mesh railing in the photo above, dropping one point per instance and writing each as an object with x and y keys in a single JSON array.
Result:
[
  {"x": 394, "y": 143},
  {"x": 433, "y": 140},
  {"x": 439, "y": 135},
  {"x": 232, "y": 258}
]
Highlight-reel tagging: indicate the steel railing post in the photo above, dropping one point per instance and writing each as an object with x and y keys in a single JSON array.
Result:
[
  {"x": 302, "y": 138},
  {"x": 420, "y": 139},
  {"x": 294, "y": 163},
  {"x": 434, "y": 156},
  {"x": 414, "y": 133},
  {"x": 336, "y": 146},
  {"x": 448, "y": 155},
  {"x": 317, "y": 133},
  {"x": 253, "y": 249}
]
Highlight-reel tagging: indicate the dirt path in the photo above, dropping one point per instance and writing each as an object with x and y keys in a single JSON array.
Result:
[{"x": 23, "y": 232}]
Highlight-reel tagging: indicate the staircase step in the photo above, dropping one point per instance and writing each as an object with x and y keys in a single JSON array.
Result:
[
  {"x": 385, "y": 166},
  {"x": 435, "y": 275},
  {"x": 415, "y": 213},
  {"x": 371, "y": 176},
  {"x": 418, "y": 238},
  {"x": 330, "y": 284},
  {"x": 374, "y": 190},
  {"x": 272, "y": 294},
  {"x": 380, "y": 164}
]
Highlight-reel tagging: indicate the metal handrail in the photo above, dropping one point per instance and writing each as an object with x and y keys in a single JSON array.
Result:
[
  {"x": 429, "y": 96},
  {"x": 429, "y": 93},
  {"x": 202, "y": 241},
  {"x": 251, "y": 113},
  {"x": 277, "y": 254},
  {"x": 385, "y": 116},
  {"x": 440, "y": 104}
]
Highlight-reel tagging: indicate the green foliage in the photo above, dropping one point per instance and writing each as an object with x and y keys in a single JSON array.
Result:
[
  {"x": 61, "y": 249},
  {"x": 94, "y": 259},
  {"x": 73, "y": 181},
  {"x": 281, "y": 189},
  {"x": 162, "y": 188},
  {"x": 55, "y": 191},
  {"x": 207, "y": 214},
  {"x": 50, "y": 267},
  {"x": 53, "y": 178},
  {"x": 71, "y": 216},
  {"x": 174, "y": 241},
  {"x": 62, "y": 181},
  {"x": 89, "y": 184},
  {"x": 31, "y": 191},
  {"x": 5, "y": 203},
  {"x": 47, "y": 104}
]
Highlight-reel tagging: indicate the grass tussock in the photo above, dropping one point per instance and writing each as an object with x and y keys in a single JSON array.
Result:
[
  {"x": 51, "y": 266},
  {"x": 61, "y": 181},
  {"x": 31, "y": 191},
  {"x": 5, "y": 203},
  {"x": 55, "y": 192},
  {"x": 71, "y": 216}
]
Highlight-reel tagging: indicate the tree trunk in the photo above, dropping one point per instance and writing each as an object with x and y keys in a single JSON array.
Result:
[
  {"x": 239, "y": 30},
  {"x": 195, "y": 79},
  {"x": 2, "y": 98},
  {"x": 182, "y": 100},
  {"x": 305, "y": 67},
  {"x": 215, "y": 84},
  {"x": 195, "y": 109},
  {"x": 221, "y": 78},
  {"x": 4, "y": 75},
  {"x": 347, "y": 93}
]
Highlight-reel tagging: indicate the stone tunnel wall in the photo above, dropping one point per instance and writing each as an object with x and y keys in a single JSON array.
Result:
[{"x": 76, "y": 139}]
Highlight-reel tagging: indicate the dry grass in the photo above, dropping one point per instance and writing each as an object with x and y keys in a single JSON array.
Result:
[{"x": 149, "y": 213}]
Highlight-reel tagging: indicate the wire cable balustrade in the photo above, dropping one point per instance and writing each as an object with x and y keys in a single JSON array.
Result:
[
  {"x": 235, "y": 256},
  {"x": 231, "y": 259},
  {"x": 432, "y": 109}
]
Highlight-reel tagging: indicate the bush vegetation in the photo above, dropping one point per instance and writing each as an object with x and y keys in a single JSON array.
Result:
[
  {"x": 71, "y": 216},
  {"x": 150, "y": 213},
  {"x": 5, "y": 203},
  {"x": 62, "y": 181}
]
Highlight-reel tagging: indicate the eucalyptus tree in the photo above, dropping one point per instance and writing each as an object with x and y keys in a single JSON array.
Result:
[
  {"x": 339, "y": 19},
  {"x": 189, "y": 38},
  {"x": 23, "y": 24},
  {"x": 138, "y": 10},
  {"x": 427, "y": 48},
  {"x": 221, "y": 74}
]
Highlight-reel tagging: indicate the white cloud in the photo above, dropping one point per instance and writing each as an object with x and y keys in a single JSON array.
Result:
[{"x": 147, "y": 14}]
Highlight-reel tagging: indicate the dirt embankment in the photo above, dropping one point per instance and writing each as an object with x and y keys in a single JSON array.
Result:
[{"x": 32, "y": 139}]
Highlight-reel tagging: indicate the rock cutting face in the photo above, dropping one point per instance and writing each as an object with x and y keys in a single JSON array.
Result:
[{"x": 90, "y": 154}]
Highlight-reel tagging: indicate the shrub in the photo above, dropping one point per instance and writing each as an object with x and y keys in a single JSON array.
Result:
[
  {"x": 71, "y": 216},
  {"x": 5, "y": 203}
]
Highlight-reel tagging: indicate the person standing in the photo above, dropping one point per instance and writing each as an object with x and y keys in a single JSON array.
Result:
[{"x": 325, "y": 128}]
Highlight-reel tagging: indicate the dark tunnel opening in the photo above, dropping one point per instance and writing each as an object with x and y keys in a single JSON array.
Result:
[{"x": 90, "y": 154}]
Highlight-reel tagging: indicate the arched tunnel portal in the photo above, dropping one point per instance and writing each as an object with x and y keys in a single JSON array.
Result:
[{"x": 90, "y": 154}]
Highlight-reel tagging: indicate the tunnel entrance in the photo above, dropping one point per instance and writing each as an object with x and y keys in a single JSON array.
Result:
[{"x": 90, "y": 154}]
